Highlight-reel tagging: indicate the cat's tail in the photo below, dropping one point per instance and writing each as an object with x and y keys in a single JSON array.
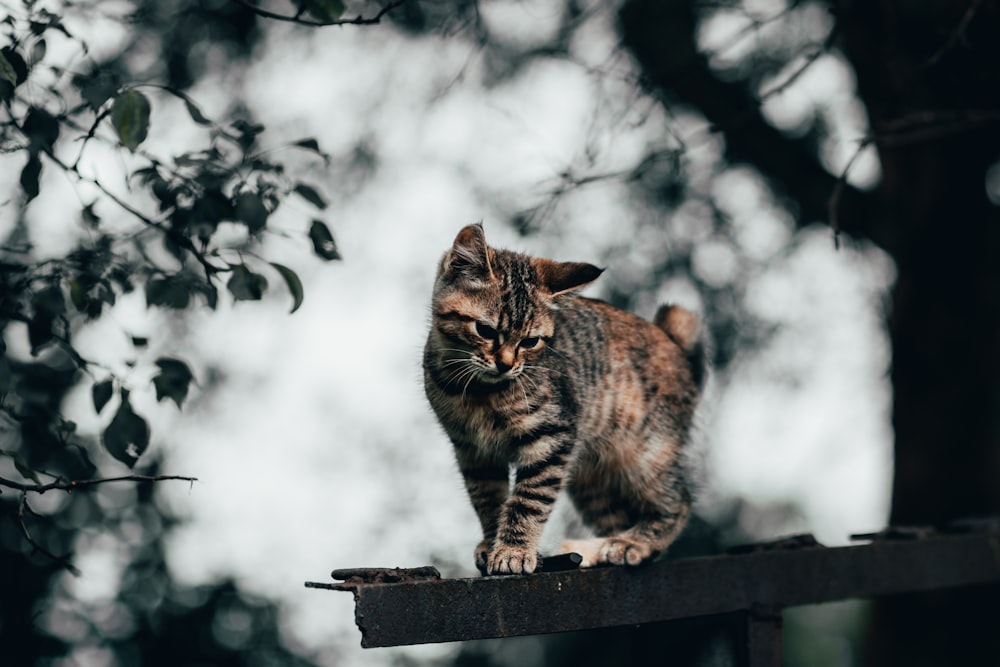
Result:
[{"x": 684, "y": 328}]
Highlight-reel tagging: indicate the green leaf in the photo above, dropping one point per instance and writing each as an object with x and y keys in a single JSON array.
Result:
[
  {"x": 96, "y": 88},
  {"x": 324, "y": 10},
  {"x": 6, "y": 376},
  {"x": 173, "y": 380},
  {"x": 294, "y": 284},
  {"x": 309, "y": 144},
  {"x": 195, "y": 113},
  {"x": 41, "y": 128},
  {"x": 211, "y": 294},
  {"x": 130, "y": 117},
  {"x": 101, "y": 393},
  {"x": 7, "y": 72},
  {"x": 246, "y": 133},
  {"x": 30, "y": 174},
  {"x": 212, "y": 208},
  {"x": 322, "y": 240},
  {"x": 22, "y": 467},
  {"x": 17, "y": 66},
  {"x": 251, "y": 211},
  {"x": 169, "y": 292},
  {"x": 40, "y": 332},
  {"x": 77, "y": 294},
  {"x": 245, "y": 285},
  {"x": 127, "y": 436},
  {"x": 311, "y": 195},
  {"x": 49, "y": 300},
  {"x": 47, "y": 305},
  {"x": 38, "y": 51}
]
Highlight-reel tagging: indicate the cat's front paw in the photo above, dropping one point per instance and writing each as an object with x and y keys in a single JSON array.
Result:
[
  {"x": 622, "y": 551},
  {"x": 506, "y": 559},
  {"x": 482, "y": 554}
]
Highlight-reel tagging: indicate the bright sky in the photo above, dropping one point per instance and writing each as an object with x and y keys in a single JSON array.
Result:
[{"x": 318, "y": 450}]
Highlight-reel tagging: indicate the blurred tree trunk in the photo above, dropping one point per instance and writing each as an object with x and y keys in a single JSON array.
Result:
[
  {"x": 937, "y": 64},
  {"x": 928, "y": 72}
]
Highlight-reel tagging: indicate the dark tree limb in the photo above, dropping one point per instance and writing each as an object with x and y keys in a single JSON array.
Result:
[
  {"x": 81, "y": 484},
  {"x": 23, "y": 508},
  {"x": 299, "y": 19},
  {"x": 661, "y": 36}
]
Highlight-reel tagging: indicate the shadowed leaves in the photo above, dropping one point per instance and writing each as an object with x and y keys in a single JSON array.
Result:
[
  {"x": 127, "y": 436},
  {"x": 251, "y": 211},
  {"x": 322, "y": 240},
  {"x": 294, "y": 284},
  {"x": 41, "y": 128},
  {"x": 13, "y": 72},
  {"x": 169, "y": 292},
  {"x": 173, "y": 380},
  {"x": 311, "y": 195},
  {"x": 326, "y": 11},
  {"x": 245, "y": 285},
  {"x": 30, "y": 175},
  {"x": 101, "y": 393},
  {"x": 7, "y": 72}
]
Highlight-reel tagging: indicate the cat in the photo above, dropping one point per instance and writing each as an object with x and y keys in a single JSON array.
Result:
[{"x": 540, "y": 389}]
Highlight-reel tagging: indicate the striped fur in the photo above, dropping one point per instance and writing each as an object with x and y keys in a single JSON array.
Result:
[{"x": 541, "y": 390}]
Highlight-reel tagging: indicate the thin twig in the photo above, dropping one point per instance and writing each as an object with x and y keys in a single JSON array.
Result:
[
  {"x": 914, "y": 128},
  {"x": 957, "y": 34},
  {"x": 63, "y": 561},
  {"x": 297, "y": 18},
  {"x": 180, "y": 239},
  {"x": 69, "y": 486},
  {"x": 838, "y": 190},
  {"x": 81, "y": 484},
  {"x": 922, "y": 126}
]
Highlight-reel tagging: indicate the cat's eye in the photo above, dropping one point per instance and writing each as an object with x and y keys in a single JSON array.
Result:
[
  {"x": 531, "y": 342},
  {"x": 486, "y": 331}
]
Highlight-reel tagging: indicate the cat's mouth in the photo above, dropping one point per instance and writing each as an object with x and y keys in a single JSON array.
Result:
[{"x": 494, "y": 377}]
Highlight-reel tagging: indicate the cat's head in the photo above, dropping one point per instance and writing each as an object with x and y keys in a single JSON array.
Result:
[{"x": 493, "y": 309}]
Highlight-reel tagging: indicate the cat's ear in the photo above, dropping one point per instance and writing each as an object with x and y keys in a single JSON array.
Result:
[
  {"x": 469, "y": 255},
  {"x": 561, "y": 277}
]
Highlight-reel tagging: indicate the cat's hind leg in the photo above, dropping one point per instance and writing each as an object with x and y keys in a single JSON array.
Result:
[
  {"x": 632, "y": 546},
  {"x": 645, "y": 540},
  {"x": 630, "y": 531}
]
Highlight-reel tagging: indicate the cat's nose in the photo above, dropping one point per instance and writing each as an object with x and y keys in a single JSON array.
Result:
[{"x": 505, "y": 360}]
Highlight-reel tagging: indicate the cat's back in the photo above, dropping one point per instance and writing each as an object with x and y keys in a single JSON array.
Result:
[
  {"x": 615, "y": 340},
  {"x": 630, "y": 375}
]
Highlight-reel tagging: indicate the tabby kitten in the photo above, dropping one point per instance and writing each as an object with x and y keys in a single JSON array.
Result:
[{"x": 566, "y": 392}]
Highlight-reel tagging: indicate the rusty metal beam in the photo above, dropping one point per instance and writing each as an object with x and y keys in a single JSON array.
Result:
[
  {"x": 426, "y": 610},
  {"x": 762, "y": 640}
]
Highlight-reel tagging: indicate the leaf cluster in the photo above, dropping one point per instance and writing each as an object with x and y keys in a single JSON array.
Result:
[{"x": 177, "y": 228}]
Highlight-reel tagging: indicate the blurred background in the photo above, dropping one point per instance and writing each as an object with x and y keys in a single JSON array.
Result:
[{"x": 817, "y": 179}]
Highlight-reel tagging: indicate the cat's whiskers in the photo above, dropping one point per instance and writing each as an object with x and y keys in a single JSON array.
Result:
[
  {"x": 553, "y": 348},
  {"x": 525, "y": 376},
  {"x": 472, "y": 376},
  {"x": 456, "y": 376},
  {"x": 547, "y": 369},
  {"x": 519, "y": 381}
]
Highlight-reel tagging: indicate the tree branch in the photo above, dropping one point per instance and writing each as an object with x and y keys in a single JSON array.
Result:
[
  {"x": 82, "y": 484},
  {"x": 63, "y": 560},
  {"x": 660, "y": 34},
  {"x": 297, "y": 18},
  {"x": 24, "y": 508},
  {"x": 958, "y": 34}
]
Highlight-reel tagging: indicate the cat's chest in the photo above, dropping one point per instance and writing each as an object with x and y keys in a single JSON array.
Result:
[{"x": 493, "y": 423}]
